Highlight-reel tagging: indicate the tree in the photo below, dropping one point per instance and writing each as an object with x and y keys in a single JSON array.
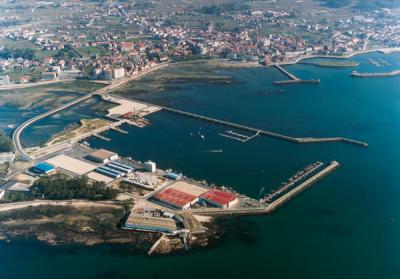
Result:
[{"x": 5, "y": 143}]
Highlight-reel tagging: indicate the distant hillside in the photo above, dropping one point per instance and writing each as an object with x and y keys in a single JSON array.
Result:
[{"x": 362, "y": 4}]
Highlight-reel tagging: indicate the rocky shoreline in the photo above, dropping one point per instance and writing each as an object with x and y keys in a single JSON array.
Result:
[{"x": 63, "y": 225}]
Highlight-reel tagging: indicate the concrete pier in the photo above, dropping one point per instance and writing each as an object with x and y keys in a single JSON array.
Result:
[
  {"x": 270, "y": 208},
  {"x": 292, "y": 77},
  {"x": 265, "y": 133},
  {"x": 283, "y": 70},
  {"x": 101, "y": 137}
]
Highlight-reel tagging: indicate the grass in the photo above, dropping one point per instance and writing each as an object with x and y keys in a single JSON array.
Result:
[
  {"x": 86, "y": 126},
  {"x": 89, "y": 51},
  {"x": 16, "y": 74},
  {"x": 17, "y": 44}
]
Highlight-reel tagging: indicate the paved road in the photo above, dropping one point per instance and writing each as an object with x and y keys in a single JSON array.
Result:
[{"x": 19, "y": 150}]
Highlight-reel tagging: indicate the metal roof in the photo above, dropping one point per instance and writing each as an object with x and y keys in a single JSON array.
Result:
[
  {"x": 218, "y": 197},
  {"x": 175, "y": 197}
]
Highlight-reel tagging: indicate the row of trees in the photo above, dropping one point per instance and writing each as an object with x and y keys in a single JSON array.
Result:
[
  {"x": 26, "y": 53},
  {"x": 62, "y": 187}
]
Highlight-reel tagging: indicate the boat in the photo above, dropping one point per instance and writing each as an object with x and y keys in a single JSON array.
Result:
[{"x": 215, "y": 151}]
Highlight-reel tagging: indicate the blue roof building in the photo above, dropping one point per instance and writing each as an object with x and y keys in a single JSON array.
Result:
[{"x": 43, "y": 168}]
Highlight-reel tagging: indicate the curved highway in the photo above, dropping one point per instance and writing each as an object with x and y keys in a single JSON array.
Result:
[{"x": 19, "y": 150}]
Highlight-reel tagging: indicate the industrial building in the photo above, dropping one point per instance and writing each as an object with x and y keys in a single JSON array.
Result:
[
  {"x": 70, "y": 165},
  {"x": 120, "y": 167},
  {"x": 109, "y": 172},
  {"x": 174, "y": 198},
  {"x": 102, "y": 156},
  {"x": 99, "y": 177},
  {"x": 43, "y": 168},
  {"x": 152, "y": 224},
  {"x": 150, "y": 166},
  {"x": 219, "y": 198}
]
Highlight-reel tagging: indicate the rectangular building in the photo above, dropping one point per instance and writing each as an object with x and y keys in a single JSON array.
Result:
[
  {"x": 152, "y": 224},
  {"x": 43, "y": 168},
  {"x": 175, "y": 199},
  {"x": 71, "y": 165},
  {"x": 219, "y": 198},
  {"x": 103, "y": 156}
]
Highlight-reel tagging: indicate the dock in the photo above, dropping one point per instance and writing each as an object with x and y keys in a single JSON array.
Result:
[
  {"x": 239, "y": 137},
  {"x": 119, "y": 130},
  {"x": 101, "y": 137},
  {"x": 271, "y": 207},
  {"x": 263, "y": 132},
  {"x": 292, "y": 78}
]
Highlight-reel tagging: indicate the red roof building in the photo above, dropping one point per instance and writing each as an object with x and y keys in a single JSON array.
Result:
[
  {"x": 219, "y": 198},
  {"x": 175, "y": 199}
]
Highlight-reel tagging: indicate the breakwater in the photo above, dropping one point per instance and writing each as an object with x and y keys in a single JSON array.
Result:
[
  {"x": 372, "y": 75},
  {"x": 263, "y": 132},
  {"x": 293, "y": 78},
  {"x": 271, "y": 207}
]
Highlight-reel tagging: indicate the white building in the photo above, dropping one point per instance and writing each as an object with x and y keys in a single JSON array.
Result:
[
  {"x": 150, "y": 166},
  {"x": 119, "y": 73},
  {"x": 2, "y": 192}
]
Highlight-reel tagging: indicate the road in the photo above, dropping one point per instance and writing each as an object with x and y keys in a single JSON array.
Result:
[
  {"x": 74, "y": 203},
  {"x": 19, "y": 150}
]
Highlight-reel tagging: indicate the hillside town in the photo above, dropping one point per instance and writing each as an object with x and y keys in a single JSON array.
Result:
[{"x": 114, "y": 40}]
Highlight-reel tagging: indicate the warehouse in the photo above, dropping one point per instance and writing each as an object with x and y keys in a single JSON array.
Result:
[
  {"x": 188, "y": 188},
  {"x": 109, "y": 172},
  {"x": 43, "y": 168},
  {"x": 71, "y": 165},
  {"x": 152, "y": 224},
  {"x": 219, "y": 198},
  {"x": 120, "y": 168},
  {"x": 175, "y": 199},
  {"x": 99, "y": 177},
  {"x": 102, "y": 156}
]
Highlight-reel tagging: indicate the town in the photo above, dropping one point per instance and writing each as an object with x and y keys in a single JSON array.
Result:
[{"x": 106, "y": 41}]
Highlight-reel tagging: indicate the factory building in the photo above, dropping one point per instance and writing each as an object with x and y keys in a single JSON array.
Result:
[
  {"x": 70, "y": 165},
  {"x": 103, "y": 156},
  {"x": 43, "y": 168},
  {"x": 219, "y": 198},
  {"x": 109, "y": 172},
  {"x": 150, "y": 166},
  {"x": 120, "y": 167},
  {"x": 175, "y": 199},
  {"x": 150, "y": 224}
]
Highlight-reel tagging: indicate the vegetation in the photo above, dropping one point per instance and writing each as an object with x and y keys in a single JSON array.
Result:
[
  {"x": 5, "y": 143},
  {"x": 12, "y": 196},
  {"x": 333, "y": 64},
  {"x": 61, "y": 187},
  {"x": 85, "y": 126},
  {"x": 35, "y": 212},
  {"x": 225, "y": 7},
  {"x": 26, "y": 53}
]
